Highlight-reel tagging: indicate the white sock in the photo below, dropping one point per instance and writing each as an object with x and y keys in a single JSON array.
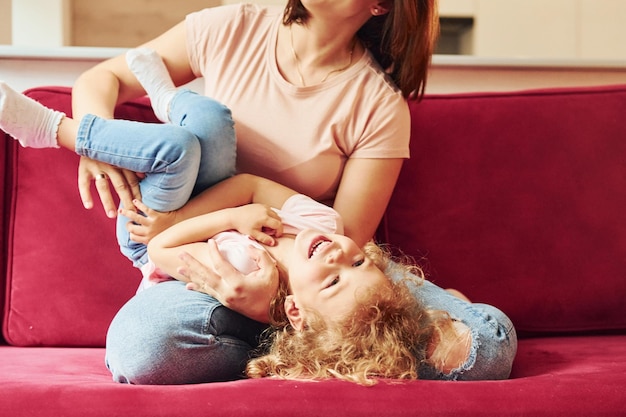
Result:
[
  {"x": 151, "y": 72},
  {"x": 27, "y": 120}
]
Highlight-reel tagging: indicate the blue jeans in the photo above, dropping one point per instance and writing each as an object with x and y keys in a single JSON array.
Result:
[
  {"x": 494, "y": 340},
  {"x": 195, "y": 151},
  {"x": 167, "y": 334}
]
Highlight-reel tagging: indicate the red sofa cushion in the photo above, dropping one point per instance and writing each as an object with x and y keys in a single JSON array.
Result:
[
  {"x": 519, "y": 200},
  {"x": 66, "y": 277},
  {"x": 568, "y": 376}
]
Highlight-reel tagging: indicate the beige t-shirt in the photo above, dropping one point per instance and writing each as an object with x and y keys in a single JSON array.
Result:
[{"x": 298, "y": 136}]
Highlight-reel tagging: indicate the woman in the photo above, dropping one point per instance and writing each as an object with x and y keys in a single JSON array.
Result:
[{"x": 313, "y": 109}]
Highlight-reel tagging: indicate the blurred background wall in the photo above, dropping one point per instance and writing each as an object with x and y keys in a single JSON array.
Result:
[{"x": 560, "y": 29}]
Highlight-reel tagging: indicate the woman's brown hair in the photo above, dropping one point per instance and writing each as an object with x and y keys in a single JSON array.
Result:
[{"x": 402, "y": 40}]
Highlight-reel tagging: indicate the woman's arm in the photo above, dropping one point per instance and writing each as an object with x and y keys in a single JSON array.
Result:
[
  {"x": 109, "y": 83},
  {"x": 250, "y": 294},
  {"x": 363, "y": 195},
  {"x": 99, "y": 89}
]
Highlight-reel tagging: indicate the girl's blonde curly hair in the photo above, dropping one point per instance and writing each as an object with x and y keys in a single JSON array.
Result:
[{"x": 386, "y": 336}]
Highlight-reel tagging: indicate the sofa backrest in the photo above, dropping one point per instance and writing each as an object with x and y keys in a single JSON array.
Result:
[
  {"x": 516, "y": 199},
  {"x": 519, "y": 200}
]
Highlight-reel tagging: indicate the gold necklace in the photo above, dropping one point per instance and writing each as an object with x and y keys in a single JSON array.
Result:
[{"x": 297, "y": 61}]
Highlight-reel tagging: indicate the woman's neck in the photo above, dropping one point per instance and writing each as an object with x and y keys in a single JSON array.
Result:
[
  {"x": 308, "y": 54},
  {"x": 317, "y": 45}
]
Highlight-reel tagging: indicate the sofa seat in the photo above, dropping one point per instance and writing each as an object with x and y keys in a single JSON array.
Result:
[{"x": 550, "y": 377}]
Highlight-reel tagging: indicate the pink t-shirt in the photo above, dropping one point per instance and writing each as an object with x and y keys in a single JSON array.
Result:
[
  {"x": 298, "y": 213},
  {"x": 297, "y": 136}
]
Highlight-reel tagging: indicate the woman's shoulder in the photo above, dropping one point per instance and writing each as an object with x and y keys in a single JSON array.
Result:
[
  {"x": 230, "y": 23},
  {"x": 221, "y": 31},
  {"x": 234, "y": 12},
  {"x": 376, "y": 75}
]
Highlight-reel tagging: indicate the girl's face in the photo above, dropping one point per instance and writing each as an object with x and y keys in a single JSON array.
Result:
[{"x": 326, "y": 275}]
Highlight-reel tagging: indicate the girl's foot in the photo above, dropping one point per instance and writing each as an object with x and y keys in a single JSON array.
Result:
[
  {"x": 152, "y": 73},
  {"x": 28, "y": 121}
]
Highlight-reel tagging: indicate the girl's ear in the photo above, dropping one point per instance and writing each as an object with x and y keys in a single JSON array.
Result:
[
  {"x": 293, "y": 313},
  {"x": 381, "y": 8}
]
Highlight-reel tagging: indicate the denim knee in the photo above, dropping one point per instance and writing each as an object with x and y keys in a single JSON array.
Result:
[
  {"x": 169, "y": 182},
  {"x": 497, "y": 345},
  {"x": 493, "y": 345},
  {"x": 493, "y": 337},
  {"x": 212, "y": 123},
  {"x": 167, "y": 334}
]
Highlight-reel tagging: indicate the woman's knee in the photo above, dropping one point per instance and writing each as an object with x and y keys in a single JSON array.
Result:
[
  {"x": 167, "y": 334},
  {"x": 178, "y": 362}
]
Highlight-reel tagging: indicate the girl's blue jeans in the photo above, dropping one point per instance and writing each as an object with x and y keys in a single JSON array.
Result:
[{"x": 196, "y": 150}]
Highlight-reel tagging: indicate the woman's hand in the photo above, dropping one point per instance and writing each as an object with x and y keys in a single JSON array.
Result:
[
  {"x": 146, "y": 223},
  {"x": 125, "y": 183},
  {"x": 249, "y": 295}
]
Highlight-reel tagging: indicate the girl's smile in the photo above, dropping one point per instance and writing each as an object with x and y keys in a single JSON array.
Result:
[{"x": 328, "y": 272}]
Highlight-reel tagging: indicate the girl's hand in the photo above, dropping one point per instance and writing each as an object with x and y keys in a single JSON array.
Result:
[
  {"x": 249, "y": 295},
  {"x": 258, "y": 221},
  {"x": 125, "y": 183},
  {"x": 146, "y": 223}
]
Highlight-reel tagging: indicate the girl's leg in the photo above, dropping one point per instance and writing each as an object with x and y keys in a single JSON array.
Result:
[
  {"x": 493, "y": 338},
  {"x": 210, "y": 121},
  {"x": 167, "y": 334},
  {"x": 28, "y": 121},
  {"x": 168, "y": 155}
]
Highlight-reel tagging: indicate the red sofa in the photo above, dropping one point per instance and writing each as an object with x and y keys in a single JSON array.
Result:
[{"x": 517, "y": 199}]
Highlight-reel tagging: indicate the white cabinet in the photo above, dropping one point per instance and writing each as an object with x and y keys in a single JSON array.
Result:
[
  {"x": 603, "y": 29},
  {"x": 562, "y": 29}
]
